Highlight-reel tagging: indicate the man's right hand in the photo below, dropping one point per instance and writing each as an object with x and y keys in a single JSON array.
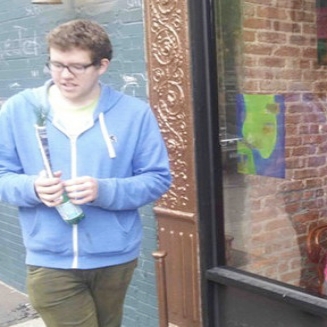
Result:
[{"x": 49, "y": 189}]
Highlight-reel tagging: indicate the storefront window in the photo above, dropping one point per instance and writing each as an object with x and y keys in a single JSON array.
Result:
[{"x": 272, "y": 71}]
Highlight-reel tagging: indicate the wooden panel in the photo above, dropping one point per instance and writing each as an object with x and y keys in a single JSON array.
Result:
[
  {"x": 178, "y": 237},
  {"x": 168, "y": 60}
]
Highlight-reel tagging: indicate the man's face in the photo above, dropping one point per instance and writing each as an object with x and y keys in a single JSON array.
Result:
[{"x": 76, "y": 85}]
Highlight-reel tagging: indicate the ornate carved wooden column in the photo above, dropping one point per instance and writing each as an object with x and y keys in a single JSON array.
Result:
[{"x": 168, "y": 56}]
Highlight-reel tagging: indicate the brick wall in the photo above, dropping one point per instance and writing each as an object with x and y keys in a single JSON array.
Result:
[
  {"x": 278, "y": 55},
  {"x": 22, "y": 57},
  {"x": 12, "y": 255}
]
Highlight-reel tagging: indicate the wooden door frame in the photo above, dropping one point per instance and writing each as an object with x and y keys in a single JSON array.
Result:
[
  {"x": 170, "y": 94},
  {"x": 182, "y": 91}
]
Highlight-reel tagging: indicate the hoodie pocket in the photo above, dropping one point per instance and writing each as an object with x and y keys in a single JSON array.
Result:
[
  {"x": 116, "y": 232},
  {"x": 44, "y": 231}
]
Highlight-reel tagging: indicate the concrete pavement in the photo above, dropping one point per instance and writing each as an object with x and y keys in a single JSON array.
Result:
[
  {"x": 15, "y": 309},
  {"x": 31, "y": 323}
]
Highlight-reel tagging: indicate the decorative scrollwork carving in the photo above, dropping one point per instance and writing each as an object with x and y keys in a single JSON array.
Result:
[{"x": 168, "y": 54}]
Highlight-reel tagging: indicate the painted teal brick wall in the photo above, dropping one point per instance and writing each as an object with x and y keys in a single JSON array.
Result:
[
  {"x": 22, "y": 56},
  {"x": 12, "y": 253}
]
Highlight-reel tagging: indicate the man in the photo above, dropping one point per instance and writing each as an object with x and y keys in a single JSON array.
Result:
[{"x": 106, "y": 155}]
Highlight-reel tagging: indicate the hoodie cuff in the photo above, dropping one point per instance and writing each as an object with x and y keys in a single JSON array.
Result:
[
  {"x": 106, "y": 188},
  {"x": 31, "y": 196}
]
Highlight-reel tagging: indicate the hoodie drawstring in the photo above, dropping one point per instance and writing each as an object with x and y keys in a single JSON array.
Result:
[{"x": 106, "y": 136}]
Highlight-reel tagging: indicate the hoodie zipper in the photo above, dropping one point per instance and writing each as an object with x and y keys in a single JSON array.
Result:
[
  {"x": 109, "y": 139},
  {"x": 73, "y": 139}
]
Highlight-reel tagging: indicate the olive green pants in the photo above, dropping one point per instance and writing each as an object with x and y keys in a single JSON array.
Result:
[{"x": 83, "y": 298}]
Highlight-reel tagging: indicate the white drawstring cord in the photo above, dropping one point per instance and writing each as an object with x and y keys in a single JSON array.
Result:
[{"x": 111, "y": 150}]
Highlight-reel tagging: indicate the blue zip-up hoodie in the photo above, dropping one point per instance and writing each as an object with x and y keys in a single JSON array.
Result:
[{"x": 123, "y": 149}]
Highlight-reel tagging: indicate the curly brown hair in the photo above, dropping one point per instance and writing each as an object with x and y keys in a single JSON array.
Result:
[{"x": 82, "y": 34}]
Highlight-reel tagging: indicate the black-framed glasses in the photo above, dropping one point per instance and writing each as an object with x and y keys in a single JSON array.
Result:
[{"x": 75, "y": 69}]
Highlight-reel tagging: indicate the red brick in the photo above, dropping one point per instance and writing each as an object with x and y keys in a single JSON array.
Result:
[
  {"x": 256, "y": 49},
  {"x": 310, "y": 53},
  {"x": 293, "y": 141},
  {"x": 313, "y": 183},
  {"x": 291, "y": 97},
  {"x": 305, "y": 217},
  {"x": 251, "y": 86},
  {"x": 299, "y": 40},
  {"x": 272, "y": 62},
  {"x": 287, "y": 51},
  {"x": 289, "y": 74},
  {"x": 295, "y": 163},
  {"x": 286, "y": 27},
  {"x": 256, "y": 23},
  {"x": 249, "y": 36},
  {"x": 293, "y": 119},
  {"x": 304, "y": 63},
  {"x": 272, "y": 12},
  {"x": 317, "y": 161},
  {"x": 301, "y": 86},
  {"x": 305, "y": 173},
  {"x": 293, "y": 207},
  {"x": 259, "y": 73},
  {"x": 302, "y": 16},
  {"x": 272, "y": 37}
]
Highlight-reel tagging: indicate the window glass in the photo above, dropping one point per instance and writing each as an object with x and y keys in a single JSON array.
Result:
[{"x": 272, "y": 77}]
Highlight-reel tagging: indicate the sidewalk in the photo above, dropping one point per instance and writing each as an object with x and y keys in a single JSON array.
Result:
[
  {"x": 31, "y": 323},
  {"x": 15, "y": 309}
]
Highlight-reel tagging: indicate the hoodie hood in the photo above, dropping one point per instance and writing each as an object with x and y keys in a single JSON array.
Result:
[{"x": 38, "y": 97}]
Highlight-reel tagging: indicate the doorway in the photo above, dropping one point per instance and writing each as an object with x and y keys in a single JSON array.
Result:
[{"x": 265, "y": 137}]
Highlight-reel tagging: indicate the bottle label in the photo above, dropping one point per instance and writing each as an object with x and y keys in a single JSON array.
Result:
[{"x": 70, "y": 213}]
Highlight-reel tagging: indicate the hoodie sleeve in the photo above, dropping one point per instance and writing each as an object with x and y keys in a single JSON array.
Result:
[
  {"x": 151, "y": 174},
  {"x": 16, "y": 188}
]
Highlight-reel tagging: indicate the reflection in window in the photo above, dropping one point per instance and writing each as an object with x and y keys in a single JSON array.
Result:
[{"x": 273, "y": 137}]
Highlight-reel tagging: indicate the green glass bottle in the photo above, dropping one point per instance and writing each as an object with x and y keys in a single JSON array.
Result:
[{"x": 69, "y": 212}]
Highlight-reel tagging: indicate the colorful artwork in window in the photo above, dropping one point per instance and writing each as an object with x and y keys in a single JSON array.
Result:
[{"x": 261, "y": 133}]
